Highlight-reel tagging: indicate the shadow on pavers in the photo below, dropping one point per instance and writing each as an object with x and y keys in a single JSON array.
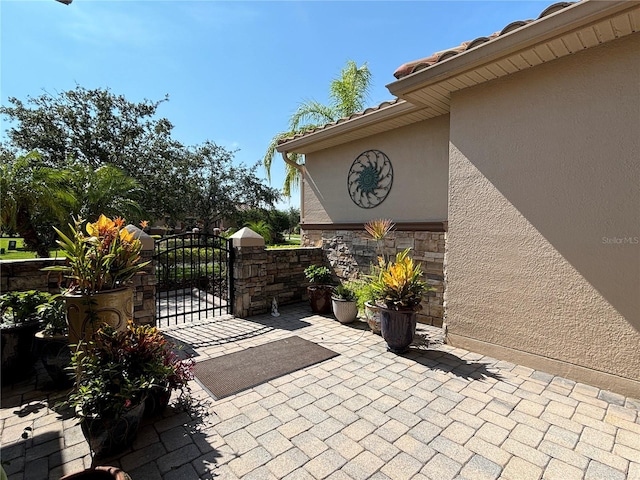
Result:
[{"x": 448, "y": 362}]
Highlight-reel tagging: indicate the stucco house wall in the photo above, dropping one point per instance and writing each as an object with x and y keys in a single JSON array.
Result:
[
  {"x": 417, "y": 203},
  {"x": 543, "y": 246},
  {"x": 419, "y": 155}
]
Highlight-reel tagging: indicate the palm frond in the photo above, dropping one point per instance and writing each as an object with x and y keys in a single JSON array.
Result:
[{"x": 311, "y": 113}]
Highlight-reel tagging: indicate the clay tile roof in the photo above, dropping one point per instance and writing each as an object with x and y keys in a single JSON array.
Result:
[
  {"x": 416, "y": 65},
  {"x": 339, "y": 121}
]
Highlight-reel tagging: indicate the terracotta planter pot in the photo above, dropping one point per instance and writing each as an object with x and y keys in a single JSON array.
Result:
[
  {"x": 344, "y": 310},
  {"x": 109, "y": 436},
  {"x": 18, "y": 354},
  {"x": 98, "y": 473},
  {"x": 372, "y": 314},
  {"x": 85, "y": 314},
  {"x": 398, "y": 328},
  {"x": 320, "y": 298}
]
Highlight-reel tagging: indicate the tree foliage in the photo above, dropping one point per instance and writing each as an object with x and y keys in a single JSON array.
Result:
[
  {"x": 34, "y": 199},
  {"x": 119, "y": 158},
  {"x": 222, "y": 188},
  {"x": 348, "y": 94}
]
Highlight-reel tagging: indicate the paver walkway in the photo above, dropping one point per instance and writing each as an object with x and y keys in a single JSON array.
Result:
[{"x": 437, "y": 412}]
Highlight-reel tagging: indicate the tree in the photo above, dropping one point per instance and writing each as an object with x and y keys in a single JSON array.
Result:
[
  {"x": 34, "y": 199},
  {"x": 123, "y": 159},
  {"x": 347, "y": 95},
  {"x": 221, "y": 188},
  {"x": 95, "y": 128},
  {"x": 106, "y": 190},
  {"x": 293, "y": 215}
]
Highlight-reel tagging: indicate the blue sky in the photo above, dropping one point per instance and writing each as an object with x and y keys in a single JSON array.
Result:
[{"x": 234, "y": 71}]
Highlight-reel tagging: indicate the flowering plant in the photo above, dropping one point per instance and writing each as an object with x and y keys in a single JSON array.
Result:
[
  {"x": 398, "y": 284},
  {"x": 117, "y": 370},
  {"x": 106, "y": 386},
  {"x": 103, "y": 258}
]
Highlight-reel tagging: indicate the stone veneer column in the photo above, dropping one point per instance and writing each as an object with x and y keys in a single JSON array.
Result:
[
  {"x": 249, "y": 273},
  {"x": 144, "y": 284}
]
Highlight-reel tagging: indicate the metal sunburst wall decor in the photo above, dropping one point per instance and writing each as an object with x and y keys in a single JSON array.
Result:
[{"x": 370, "y": 178}]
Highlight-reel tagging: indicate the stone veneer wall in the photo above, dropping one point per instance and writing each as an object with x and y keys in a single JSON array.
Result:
[
  {"x": 351, "y": 252},
  {"x": 18, "y": 275},
  {"x": 259, "y": 275}
]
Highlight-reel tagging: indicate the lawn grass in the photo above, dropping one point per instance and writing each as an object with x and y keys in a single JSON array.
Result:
[{"x": 19, "y": 254}]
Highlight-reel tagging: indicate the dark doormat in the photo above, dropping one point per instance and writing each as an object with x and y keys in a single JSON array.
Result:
[{"x": 238, "y": 371}]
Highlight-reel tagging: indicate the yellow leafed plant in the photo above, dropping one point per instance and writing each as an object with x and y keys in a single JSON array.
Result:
[
  {"x": 399, "y": 283},
  {"x": 103, "y": 258}
]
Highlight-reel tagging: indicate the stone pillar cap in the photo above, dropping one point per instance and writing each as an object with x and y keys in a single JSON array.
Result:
[
  {"x": 148, "y": 243},
  {"x": 245, "y": 237}
]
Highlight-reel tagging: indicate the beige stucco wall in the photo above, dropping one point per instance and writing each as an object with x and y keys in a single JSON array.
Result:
[
  {"x": 543, "y": 247},
  {"x": 419, "y": 155}
]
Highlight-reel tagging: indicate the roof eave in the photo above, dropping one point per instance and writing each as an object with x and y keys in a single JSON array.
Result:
[
  {"x": 305, "y": 143},
  {"x": 578, "y": 15}
]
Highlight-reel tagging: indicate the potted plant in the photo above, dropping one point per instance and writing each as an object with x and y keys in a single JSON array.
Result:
[
  {"x": 101, "y": 260},
  {"x": 366, "y": 298},
  {"x": 109, "y": 395},
  {"x": 399, "y": 289},
  {"x": 152, "y": 356},
  {"x": 19, "y": 322},
  {"x": 53, "y": 341},
  {"x": 320, "y": 289},
  {"x": 121, "y": 374},
  {"x": 378, "y": 229},
  {"x": 344, "y": 303}
]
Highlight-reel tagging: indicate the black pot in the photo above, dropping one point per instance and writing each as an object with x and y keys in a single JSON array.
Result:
[
  {"x": 156, "y": 401},
  {"x": 55, "y": 355},
  {"x": 320, "y": 298},
  {"x": 18, "y": 355},
  {"x": 107, "y": 437},
  {"x": 398, "y": 328}
]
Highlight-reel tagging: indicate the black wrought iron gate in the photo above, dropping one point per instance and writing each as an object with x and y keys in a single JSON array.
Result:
[{"x": 194, "y": 272}]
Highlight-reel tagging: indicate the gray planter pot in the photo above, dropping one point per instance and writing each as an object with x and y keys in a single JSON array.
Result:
[{"x": 344, "y": 310}]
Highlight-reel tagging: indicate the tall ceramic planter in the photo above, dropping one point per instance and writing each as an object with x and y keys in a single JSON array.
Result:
[
  {"x": 398, "y": 328},
  {"x": 85, "y": 314}
]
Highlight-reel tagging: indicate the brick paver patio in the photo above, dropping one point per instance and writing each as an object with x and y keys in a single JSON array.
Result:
[{"x": 437, "y": 412}]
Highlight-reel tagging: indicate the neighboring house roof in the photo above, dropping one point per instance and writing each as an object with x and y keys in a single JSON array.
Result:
[
  {"x": 425, "y": 86},
  {"x": 416, "y": 65}
]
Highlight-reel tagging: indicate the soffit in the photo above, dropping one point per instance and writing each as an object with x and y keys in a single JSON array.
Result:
[{"x": 572, "y": 29}]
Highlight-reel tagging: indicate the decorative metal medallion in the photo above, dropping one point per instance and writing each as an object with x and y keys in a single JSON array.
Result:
[{"x": 370, "y": 178}]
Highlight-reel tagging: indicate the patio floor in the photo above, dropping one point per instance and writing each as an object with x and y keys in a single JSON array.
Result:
[{"x": 436, "y": 412}]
